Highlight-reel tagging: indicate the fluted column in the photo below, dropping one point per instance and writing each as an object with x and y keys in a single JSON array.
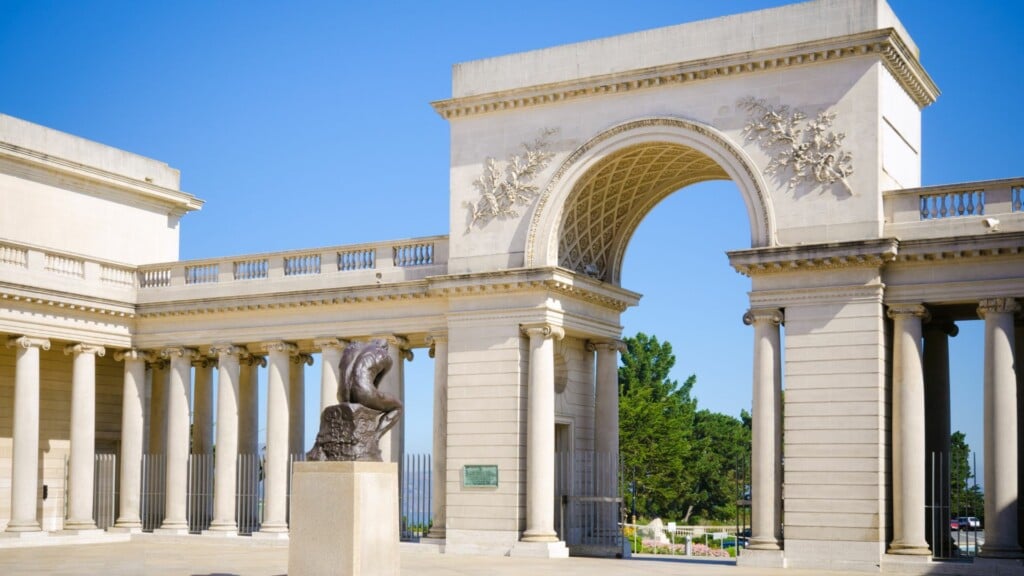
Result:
[
  {"x": 158, "y": 407},
  {"x": 132, "y": 435},
  {"x": 176, "y": 486},
  {"x": 82, "y": 460},
  {"x": 202, "y": 407},
  {"x": 297, "y": 403},
  {"x": 540, "y": 433},
  {"x": 330, "y": 369},
  {"x": 25, "y": 437},
  {"x": 439, "y": 352},
  {"x": 249, "y": 402},
  {"x": 1001, "y": 539},
  {"x": 392, "y": 444},
  {"x": 226, "y": 460},
  {"x": 766, "y": 433},
  {"x": 937, "y": 418},
  {"x": 275, "y": 469},
  {"x": 908, "y": 456}
]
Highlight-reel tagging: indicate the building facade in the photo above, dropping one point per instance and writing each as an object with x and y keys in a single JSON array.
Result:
[{"x": 556, "y": 157}]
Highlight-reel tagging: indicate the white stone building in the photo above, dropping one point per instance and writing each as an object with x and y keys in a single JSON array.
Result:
[{"x": 813, "y": 110}]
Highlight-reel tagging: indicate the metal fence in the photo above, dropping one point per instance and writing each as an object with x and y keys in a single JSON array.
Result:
[
  {"x": 949, "y": 537},
  {"x": 416, "y": 497},
  {"x": 249, "y": 494},
  {"x": 151, "y": 502},
  {"x": 588, "y": 504},
  {"x": 105, "y": 489},
  {"x": 199, "y": 511}
]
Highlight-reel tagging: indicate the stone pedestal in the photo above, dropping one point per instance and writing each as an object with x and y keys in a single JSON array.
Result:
[{"x": 344, "y": 519}]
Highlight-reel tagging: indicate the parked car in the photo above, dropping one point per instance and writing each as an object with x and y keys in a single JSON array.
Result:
[
  {"x": 954, "y": 523},
  {"x": 969, "y": 523}
]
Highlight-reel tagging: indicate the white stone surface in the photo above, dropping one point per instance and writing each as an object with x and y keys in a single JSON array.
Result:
[{"x": 344, "y": 519}]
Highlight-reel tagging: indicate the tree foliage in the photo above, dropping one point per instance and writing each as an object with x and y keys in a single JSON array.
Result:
[
  {"x": 966, "y": 498},
  {"x": 678, "y": 462}
]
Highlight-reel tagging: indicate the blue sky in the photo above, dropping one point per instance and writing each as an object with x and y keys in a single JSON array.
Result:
[{"x": 308, "y": 124}]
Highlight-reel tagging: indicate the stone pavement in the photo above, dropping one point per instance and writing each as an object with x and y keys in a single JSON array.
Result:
[{"x": 205, "y": 556}]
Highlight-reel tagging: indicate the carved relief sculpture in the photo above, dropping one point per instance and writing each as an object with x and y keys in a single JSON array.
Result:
[
  {"x": 352, "y": 429},
  {"x": 502, "y": 187},
  {"x": 809, "y": 149}
]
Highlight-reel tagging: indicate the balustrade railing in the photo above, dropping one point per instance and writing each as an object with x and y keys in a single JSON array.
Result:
[
  {"x": 202, "y": 274},
  {"x": 250, "y": 269},
  {"x": 302, "y": 265},
  {"x": 356, "y": 259},
  {"x": 13, "y": 255},
  {"x": 154, "y": 277},
  {"x": 952, "y": 204},
  {"x": 952, "y": 209},
  {"x": 117, "y": 275},
  {"x": 64, "y": 265}
]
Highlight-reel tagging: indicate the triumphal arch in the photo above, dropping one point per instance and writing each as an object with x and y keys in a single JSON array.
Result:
[{"x": 812, "y": 110}]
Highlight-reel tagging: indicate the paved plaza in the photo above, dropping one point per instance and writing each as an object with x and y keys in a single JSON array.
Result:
[{"x": 245, "y": 557}]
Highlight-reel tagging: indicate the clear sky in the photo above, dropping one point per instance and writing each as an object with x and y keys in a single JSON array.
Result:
[{"x": 308, "y": 124}]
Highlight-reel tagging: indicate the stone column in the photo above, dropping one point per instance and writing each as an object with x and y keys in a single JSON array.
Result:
[
  {"x": 202, "y": 407},
  {"x": 392, "y": 444},
  {"x": 606, "y": 397},
  {"x": 249, "y": 402},
  {"x": 297, "y": 403},
  {"x": 275, "y": 469},
  {"x": 908, "y": 457},
  {"x": 1018, "y": 337},
  {"x": 226, "y": 460},
  {"x": 937, "y": 418},
  {"x": 330, "y": 369},
  {"x": 158, "y": 407},
  {"x": 82, "y": 460},
  {"x": 439, "y": 352},
  {"x": 540, "y": 434},
  {"x": 176, "y": 485},
  {"x": 25, "y": 434},
  {"x": 1000, "y": 430},
  {"x": 133, "y": 424},
  {"x": 766, "y": 435}
]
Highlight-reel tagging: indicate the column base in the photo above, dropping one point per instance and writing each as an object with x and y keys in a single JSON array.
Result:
[
  {"x": 764, "y": 544},
  {"x": 82, "y": 531},
  {"x": 80, "y": 525},
  {"x": 269, "y": 535},
  {"x": 1013, "y": 552},
  {"x": 25, "y": 534},
  {"x": 173, "y": 530},
  {"x": 24, "y": 526},
  {"x": 436, "y": 534},
  {"x": 222, "y": 528},
  {"x": 909, "y": 549},
  {"x": 539, "y": 536},
  {"x": 220, "y": 532},
  {"x": 125, "y": 529},
  {"x": 533, "y": 549},
  {"x": 761, "y": 558}
]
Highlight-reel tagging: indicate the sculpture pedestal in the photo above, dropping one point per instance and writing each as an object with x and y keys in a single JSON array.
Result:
[{"x": 344, "y": 519}]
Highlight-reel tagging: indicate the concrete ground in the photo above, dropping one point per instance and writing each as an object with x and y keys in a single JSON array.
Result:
[{"x": 205, "y": 556}]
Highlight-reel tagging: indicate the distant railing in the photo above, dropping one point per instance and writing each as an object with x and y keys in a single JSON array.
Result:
[
  {"x": 953, "y": 201},
  {"x": 405, "y": 254}
]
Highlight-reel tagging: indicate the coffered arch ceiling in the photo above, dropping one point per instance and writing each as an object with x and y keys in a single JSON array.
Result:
[{"x": 608, "y": 203}]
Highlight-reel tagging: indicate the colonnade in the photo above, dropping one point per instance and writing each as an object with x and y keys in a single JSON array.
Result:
[{"x": 162, "y": 425}]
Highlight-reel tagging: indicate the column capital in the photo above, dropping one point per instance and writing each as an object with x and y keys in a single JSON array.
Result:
[
  {"x": 28, "y": 342},
  {"x": 946, "y": 327},
  {"x": 83, "y": 348},
  {"x": 909, "y": 309},
  {"x": 302, "y": 358},
  {"x": 434, "y": 337},
  {"x": 250, "y": 359},
  {"x": 543, "y": 329},
  {"x": 133, "y": 354},
  {"x": 613, "y": 344},
  {"x": 203, "y": 361},
  {"x": 279, "y": 346},
  {"x": 998, "y": 306},
  {"x": 773, "y": 316},
  {"x": 226, "y": 348},
  {"x": 172, "y": 352},
  {"x": 392, "y": 340},
  {"x": 328, "y": 342}
]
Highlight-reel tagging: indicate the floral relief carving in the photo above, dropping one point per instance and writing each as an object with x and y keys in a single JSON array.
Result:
[
  {"x": 506, "y": 185},
  {"x": 808, "y": 149}
]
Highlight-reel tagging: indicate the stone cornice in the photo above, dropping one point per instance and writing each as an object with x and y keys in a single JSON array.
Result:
[
  {"x": 960, "y": 247},
  {"x": 856, "y": 254},
  {"x": 886, "y": 44},
  {"x": 177, "y": 201},
  {"x": 67, "y": 302}
]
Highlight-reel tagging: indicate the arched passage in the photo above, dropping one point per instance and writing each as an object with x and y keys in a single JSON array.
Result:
[{"x": 602, "y": 191}]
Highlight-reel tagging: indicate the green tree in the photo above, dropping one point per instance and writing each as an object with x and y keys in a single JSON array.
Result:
[
  {"x": 722, "y": 450},
  {"x": 966, "y": 498}
]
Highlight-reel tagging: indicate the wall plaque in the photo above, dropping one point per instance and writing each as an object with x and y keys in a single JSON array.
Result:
[{"x": 480, "y": 476}]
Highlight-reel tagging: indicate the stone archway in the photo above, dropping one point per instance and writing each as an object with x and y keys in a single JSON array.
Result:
[{"x": 602, "y": 191}]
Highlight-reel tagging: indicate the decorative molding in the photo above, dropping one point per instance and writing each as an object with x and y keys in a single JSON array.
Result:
[
  {"x": 773, "y": 316},
  {"x": 92, "y": 308},
  {"x": 614, "y": 345},
  {"x": 250, "y": 359},
  {"x": 885, "y": 44},
  {"x": 279, "y": 346},
  {"x": 809, "y": 149},
  {"x": 302, "y": 358},
  {"x": 83, "y": 348},
  {"x": 172, "y": 352},
  {"x": 502, "y": 188},
  {"x": 133, "y": 354},
  {"x": 26, "y": 342},
  {"x": 855, "y": 254},
  {"x": 998, "y": 306},
  {"x": 330, "y": 342},
  {"x": 220, "y": 349}
]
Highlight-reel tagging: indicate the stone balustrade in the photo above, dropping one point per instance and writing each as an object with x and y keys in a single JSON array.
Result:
[
  {"x": 965, "y": 208},
  {"x": 335, "y": 266}
]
